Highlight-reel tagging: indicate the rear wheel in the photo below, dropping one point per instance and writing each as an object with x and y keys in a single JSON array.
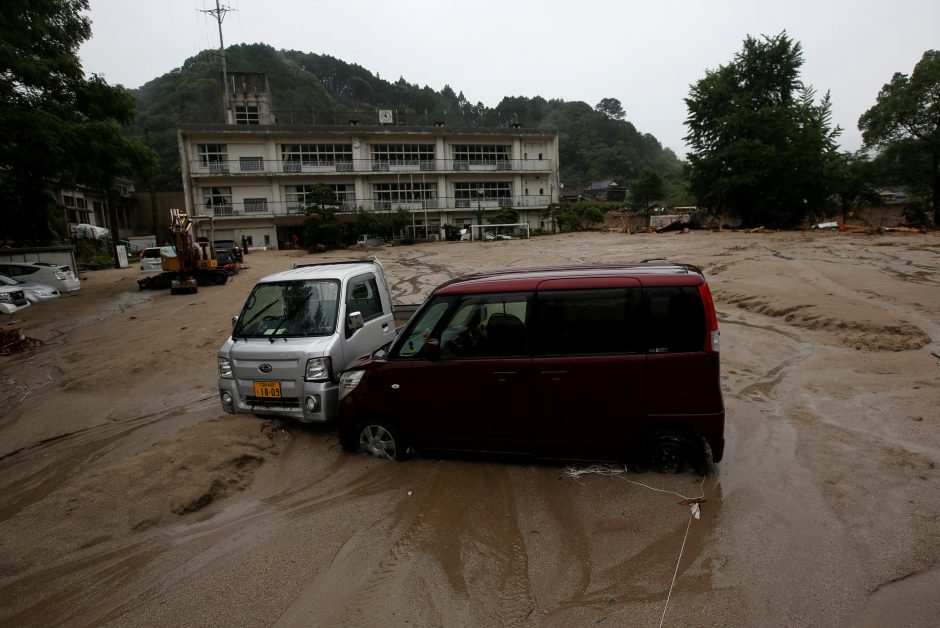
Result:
[
  {"x": 670, "y": 450},
  {"x": 381, "y": 439}
]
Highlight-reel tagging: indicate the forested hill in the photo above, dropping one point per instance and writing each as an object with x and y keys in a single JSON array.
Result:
[{"x": 595, "y": 142}]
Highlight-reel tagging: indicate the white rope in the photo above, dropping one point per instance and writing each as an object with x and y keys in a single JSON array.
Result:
[
  {"x": 618, "y": 471},
  {"x": 676, "y": 572}
]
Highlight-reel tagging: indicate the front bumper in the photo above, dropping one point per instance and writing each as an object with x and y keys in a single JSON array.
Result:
[{"x": 296, "y": 407}]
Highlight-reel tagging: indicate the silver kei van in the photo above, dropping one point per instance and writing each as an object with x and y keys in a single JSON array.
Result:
[{"x": 297, "y": 332}]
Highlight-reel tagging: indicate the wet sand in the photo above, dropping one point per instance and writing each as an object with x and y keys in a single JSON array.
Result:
[{"x": 127, "y": 497}]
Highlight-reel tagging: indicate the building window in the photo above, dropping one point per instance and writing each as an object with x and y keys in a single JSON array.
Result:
[
  {"x": 213, "y": 157},
  {"x": 251, "y": 164},
  {"x": 295, "y": 197},
  {"x": 403, "y": 194},
  {"x": 482, "y": 154},
  {"x": 68, "y": 200},
  {"x": 256, "y": 205},
  {"x": 466, "y": 194},
  {"x": 218, "y": 201},
  {"x": 295, "y": 156},
  {"x": 403, "y": 154},
  {"x": 247, "y": 114}
]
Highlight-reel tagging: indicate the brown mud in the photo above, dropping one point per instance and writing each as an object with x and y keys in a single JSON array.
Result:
[{"x": 127, "y": 497}]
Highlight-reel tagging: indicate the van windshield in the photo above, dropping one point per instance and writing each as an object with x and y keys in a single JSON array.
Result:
[{"x": 289, "y": 309}]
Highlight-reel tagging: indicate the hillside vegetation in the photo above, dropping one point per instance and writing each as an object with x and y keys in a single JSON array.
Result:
[{"x": 595, "y": 142}]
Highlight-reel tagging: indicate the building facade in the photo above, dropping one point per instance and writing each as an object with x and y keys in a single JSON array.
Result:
[{"x": 251, "y": 178}]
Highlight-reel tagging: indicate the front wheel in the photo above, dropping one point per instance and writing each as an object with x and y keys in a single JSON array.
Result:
[{"x": 382, "y": 440}]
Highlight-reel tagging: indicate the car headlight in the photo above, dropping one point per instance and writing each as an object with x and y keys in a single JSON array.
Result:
[
  {"x": 348, "y": 382},
  {"x": 225, "y": 368},
  {"x": 318, "y": 370}
]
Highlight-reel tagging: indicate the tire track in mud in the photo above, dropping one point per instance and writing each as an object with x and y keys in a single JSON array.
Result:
[
  {"x": 84, "y": 447},
  {"x": 82, "y": 582},
  {"x": 766, "y": 385},
  {"x": 432, "y": 531}
]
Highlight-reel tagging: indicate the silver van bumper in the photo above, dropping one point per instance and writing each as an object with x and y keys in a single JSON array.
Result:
[{"x": 317, "y": 403}]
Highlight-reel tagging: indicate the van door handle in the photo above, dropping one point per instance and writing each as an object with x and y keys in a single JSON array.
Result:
[
  {"x": 385, "y": 327},
  {"x": 555, "y": 376},
  {"x": 503, "y": 376}
]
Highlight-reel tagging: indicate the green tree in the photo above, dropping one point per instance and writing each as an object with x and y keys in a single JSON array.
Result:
[
  {"x": 504, "y": 216},
  {"x": 853, "y": 175},
  {"x": 904, "y": 125},
  {"x": 646, "y": 188},
  {"x": 58, "y": 126},
  {"x": 761, "y": 147},
  {"x": 593, "y": 215},
  {"x": 611, "y": 108}
]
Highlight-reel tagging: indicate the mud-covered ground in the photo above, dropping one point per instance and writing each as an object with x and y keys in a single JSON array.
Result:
[{"x": 127, "y": 497}]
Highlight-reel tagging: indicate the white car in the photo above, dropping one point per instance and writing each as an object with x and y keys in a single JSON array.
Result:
[
  {"x": 59, "y": 276},
  {"x": 150, "y": 260},
  {"x": 34, "y": 292},
  {"x": 12, "y": 299}
]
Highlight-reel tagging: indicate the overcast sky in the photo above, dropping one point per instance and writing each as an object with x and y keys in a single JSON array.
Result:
[{"x": 644, "y": 54}]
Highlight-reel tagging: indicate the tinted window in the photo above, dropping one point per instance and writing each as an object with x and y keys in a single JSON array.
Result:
[
  {"x": 363, "y": 296},
  {"x": 676, "y": 319},
  {"x": 486, "y": 326},
  {"x": 584, "y": 322},
  {"x": 414, "y": 338}
]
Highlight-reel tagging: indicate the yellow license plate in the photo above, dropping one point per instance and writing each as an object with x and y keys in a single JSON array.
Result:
[{"x": 268, "y": 390}]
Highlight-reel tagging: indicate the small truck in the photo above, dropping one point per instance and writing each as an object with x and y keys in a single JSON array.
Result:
[{"x": 296, "y": 333}]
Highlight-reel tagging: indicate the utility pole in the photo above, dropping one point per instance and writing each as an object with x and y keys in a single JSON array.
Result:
[{"x": 219, "y": 14}]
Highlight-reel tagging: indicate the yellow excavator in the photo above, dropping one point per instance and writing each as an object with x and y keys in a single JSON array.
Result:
[{"x": 193, "y": 265}]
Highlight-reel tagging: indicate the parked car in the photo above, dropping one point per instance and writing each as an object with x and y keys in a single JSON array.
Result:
[
  {"x": 59, "y": 276},
  {"x": 226, "y": 261},
  {"x": 34, "y": 292},
  {"x": 229, "y": 245},
  {"x": 12, "y": 299},
  {"x": 151, "y": 260},
  {"x": 605, "y": 362},
  {"x": 297, "y": 331}
]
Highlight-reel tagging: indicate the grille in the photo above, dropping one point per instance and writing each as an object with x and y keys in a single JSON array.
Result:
[{"x": 283, "y": 402}]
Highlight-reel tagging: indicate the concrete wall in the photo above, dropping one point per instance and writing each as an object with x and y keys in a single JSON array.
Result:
[{"x": 51, "y": 254}]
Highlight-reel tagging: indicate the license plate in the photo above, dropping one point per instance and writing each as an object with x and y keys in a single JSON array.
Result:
[{"x": 268, "y": 390}]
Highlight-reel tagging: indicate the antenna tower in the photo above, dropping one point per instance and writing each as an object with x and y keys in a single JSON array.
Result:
[{"x": 219, "y": 13}]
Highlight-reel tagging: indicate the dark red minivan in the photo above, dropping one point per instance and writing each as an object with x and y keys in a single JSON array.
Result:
[{"x": 602, "y": 362}]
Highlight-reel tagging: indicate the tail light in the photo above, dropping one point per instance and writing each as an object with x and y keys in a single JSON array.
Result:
[{"x": 711, "y": 319}]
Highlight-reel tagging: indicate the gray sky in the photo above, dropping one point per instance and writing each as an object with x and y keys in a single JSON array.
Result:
[{"x": 644, "y": 54}]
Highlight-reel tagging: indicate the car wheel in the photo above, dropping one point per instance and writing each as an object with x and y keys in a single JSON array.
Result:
[
  {"x": 670, "y": 450},
  {"x": 382, "y": 440}
]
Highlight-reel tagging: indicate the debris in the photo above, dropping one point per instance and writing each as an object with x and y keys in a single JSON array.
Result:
[
  {"x": 825, "y": 225},
  {"x": 15, "y": 340},
  {"x": 761, "y": 229}
]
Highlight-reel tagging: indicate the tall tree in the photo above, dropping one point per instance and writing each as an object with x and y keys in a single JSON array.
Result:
[
  {"x": 57, "y": 126},
  {"x": 646, "y": 188},
  {"x": 611, "y": 108},
  {"x": 761, "y": 146},
  {"x": 904, "y": 125}
]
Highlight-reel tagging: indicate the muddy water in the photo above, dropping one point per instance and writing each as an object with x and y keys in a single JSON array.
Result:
[{"x": 126, "y": 497}]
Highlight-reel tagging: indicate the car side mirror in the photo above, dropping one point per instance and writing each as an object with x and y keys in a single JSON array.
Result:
[
  {"x": 354, "y": 322},
  {"x": 432, "y": 349},
  {"x": 234, "y": 322}
]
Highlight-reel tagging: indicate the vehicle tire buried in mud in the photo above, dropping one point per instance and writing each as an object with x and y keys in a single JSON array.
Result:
[
  {"x": 378, "y": 437},
  {"x": 669, "y": 450}
]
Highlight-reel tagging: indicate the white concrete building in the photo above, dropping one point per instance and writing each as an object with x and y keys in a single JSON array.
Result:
[{"x": 252, "y": 179}]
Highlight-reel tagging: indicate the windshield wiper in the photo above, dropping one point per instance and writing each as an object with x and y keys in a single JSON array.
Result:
[
  {"x": 287, "y": 314},
  {"x": 255, "y": 317}
]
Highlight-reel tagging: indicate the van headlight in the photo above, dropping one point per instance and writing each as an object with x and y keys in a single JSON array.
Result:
[
  {"x": 348, "y": 382},
  {"x": 225, "y": 368},
  {"x": 318, "y": 370}
]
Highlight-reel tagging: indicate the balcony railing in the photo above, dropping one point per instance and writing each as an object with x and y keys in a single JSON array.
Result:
[
  {"x": 248, "y": 166},
  {"x": 256, "y": 208}
]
